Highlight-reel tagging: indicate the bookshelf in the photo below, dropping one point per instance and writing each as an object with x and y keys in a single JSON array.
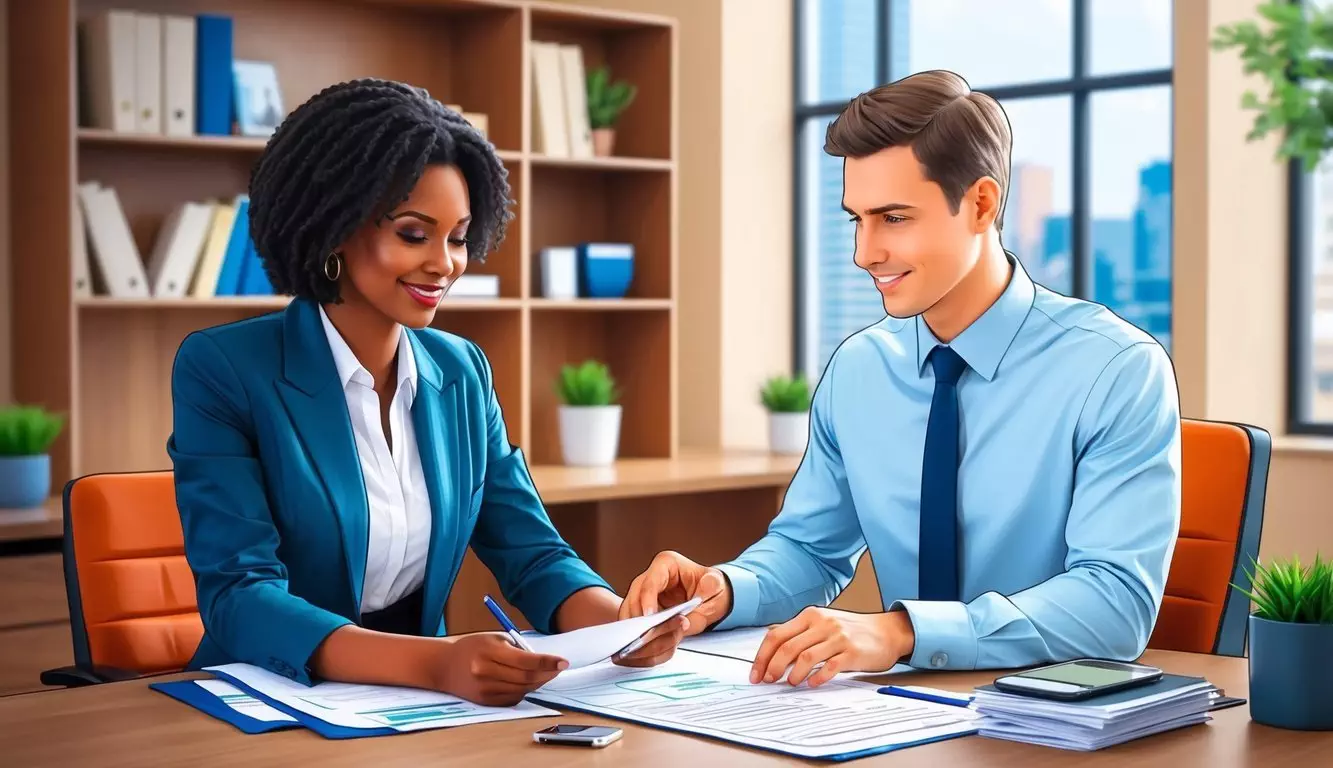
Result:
[{"x": 106, "y": 362}]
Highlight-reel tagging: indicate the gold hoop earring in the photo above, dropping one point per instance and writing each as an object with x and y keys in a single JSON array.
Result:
[{"x": 333, "y": 267}]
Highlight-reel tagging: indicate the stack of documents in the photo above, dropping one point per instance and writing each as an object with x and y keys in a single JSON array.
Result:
[{"x": 1172, "y": 702}]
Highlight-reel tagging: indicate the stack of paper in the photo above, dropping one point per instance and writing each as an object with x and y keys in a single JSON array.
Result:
[{"x": 1172, "y": 702}]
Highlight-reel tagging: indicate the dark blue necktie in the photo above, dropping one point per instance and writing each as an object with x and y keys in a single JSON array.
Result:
[{"x": 938, "y": 563}]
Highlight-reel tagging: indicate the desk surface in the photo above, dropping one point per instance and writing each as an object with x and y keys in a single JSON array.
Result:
[
  {"x": 129, "y": 724},
  {"x": 690, "y": 472}
]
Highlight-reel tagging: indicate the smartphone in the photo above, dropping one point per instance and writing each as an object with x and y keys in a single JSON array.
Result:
[
  {"x": 1080, "y": 679},
  {"x": 581, "y": 735}
]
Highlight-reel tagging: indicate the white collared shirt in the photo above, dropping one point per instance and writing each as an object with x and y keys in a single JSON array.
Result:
[{"x": 400, "y": 514}]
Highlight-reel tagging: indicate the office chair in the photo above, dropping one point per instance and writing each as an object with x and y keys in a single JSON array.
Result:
[
  {"x": 1224, "y": 480},
  {"x": 131, "y": 594}
]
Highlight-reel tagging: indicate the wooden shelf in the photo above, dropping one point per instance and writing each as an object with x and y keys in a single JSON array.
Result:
[
  {"x": 599, "y": 305},
  {"x": 102, "y": 136},
  {"x": 107, "y": 362},
  {"x": 612, "y": 163},
  {"x": 218, "y": 302}
]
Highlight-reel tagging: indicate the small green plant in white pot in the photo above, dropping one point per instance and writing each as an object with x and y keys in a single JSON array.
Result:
[
  {"x": 26, "y": 435},
  {"x": 590, "y": 414},
  {"x": 1291, "y": 640},
  {"x": 787, "y": 400}
]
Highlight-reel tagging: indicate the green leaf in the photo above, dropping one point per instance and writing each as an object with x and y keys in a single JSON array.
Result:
[
  {"x": 1292, "y": 53},
  {"x": 607, "y": 100},
  {"x": 587, "y": 384},
  {"x": 27, "y": 430},
  {"x": 1286, "y": 591},
  {"x": 785, "y": 394}
]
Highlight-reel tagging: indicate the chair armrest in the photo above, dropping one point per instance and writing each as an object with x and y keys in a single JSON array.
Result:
[{"x": 74, "y": 677}]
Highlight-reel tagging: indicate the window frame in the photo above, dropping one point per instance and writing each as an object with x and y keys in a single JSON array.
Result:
[
  {"x": 1300, "y": 340},
  {"x": 1300, "y": 307},
  {"x": 1079, "y": 87}
]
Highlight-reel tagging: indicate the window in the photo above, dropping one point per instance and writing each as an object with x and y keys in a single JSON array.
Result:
[
  {"x": 1086, "y": 85},
  {"x": 1310, "y": 303}
]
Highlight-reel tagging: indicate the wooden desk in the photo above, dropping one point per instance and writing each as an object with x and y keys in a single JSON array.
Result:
[{"x": 128, "y": 724}]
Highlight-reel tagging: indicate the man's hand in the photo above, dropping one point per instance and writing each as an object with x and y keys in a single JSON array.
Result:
[
  {"x": 842, "y": 641},
  {"x": 672, "y": 579}
]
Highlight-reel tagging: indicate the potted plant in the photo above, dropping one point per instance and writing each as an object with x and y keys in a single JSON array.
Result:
[
  {"x": 589, "y": 414},
  {"x": 1294, "y": 57},
  {"x": 606, "y": 101},
  {"x": 26, "y": 435},
  {"x": 787, "y": 399},
  {"x": 1291, "y": 637}
]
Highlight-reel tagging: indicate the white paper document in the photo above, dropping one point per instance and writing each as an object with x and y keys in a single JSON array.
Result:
[
  {"x": 712, "y": 696},
  {"x": 589, "y": 645},
  {"x": 243, "y": 702},
  {"x": 740, "y": 643},
  {"x": 375, "y": 706}
]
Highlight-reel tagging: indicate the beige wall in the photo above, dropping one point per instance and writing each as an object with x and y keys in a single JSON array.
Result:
[
  {"x": 735, "y": 210},
  {"x": 6, "y": 377}
]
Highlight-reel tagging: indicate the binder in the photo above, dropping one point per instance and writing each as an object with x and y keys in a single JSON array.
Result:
[
  {"x": 550, "y": 129},
  {"x": 148, "y": 72},
  {"x": 176, "y": 251},
  {"x": 178, "y": 75},
  {"x": 109, "y": 69},
  {"x": 576, "y": 101},
  {"x": 213, "y": 55}
]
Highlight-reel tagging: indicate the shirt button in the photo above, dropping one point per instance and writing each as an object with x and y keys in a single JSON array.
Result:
[{"x": 939, "y": 659}]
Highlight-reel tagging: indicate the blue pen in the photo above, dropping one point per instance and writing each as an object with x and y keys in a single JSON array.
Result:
[
  {"x": 508, "y": 625},
  {"x": 908, "y": 693}
]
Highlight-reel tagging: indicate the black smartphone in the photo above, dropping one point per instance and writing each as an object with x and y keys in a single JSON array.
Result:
[
  {"x": 1079, "y": 679},
  {"x": 580, "y": 735}
]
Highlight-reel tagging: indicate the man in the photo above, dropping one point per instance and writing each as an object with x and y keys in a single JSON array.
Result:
[{"x": 1009, "y": 456}]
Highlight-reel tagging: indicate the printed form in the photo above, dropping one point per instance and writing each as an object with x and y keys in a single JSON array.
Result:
[
  {"x": 374, "y": 706},
  {"x": 712, "y": 696}
]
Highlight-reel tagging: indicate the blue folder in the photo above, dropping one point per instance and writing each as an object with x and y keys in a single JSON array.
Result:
[
  {"x": 327, "y": 730},
  {"x": 186, "y": 691}
]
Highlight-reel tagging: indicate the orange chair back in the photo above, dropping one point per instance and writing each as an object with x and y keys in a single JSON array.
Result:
[
  {"x": 1224, "y": 476},
  {"x": 131, "y": 592}
]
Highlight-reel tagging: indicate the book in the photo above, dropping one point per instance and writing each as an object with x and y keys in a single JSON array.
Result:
[{"x": 1174, "y": 701}]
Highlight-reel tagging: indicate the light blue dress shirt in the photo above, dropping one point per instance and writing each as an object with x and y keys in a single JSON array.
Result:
[{"x": 1069, "y": 486}]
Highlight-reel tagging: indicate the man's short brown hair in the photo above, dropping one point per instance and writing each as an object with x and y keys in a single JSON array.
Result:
[{"x": 957, "y": 134}]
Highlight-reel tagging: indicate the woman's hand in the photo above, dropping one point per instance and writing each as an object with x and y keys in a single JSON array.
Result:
[{"x": 486, "y": 668}]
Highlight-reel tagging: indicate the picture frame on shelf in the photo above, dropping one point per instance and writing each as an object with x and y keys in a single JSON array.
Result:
[{"x": 258, "y": 98}]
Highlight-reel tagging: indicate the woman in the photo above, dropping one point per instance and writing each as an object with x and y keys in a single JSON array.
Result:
[{"x": 334, "y": 461}]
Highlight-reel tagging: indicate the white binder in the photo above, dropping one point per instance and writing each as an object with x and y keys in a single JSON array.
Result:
[
  {"x": 109, "y": 66},
  {"x": 113, "y": 247},
  {"x": 148, "y": 72},
  {"x": 576, "y": 101},
  {"x": 550, "y": 130},
  {"x": 178, "y": 75},
  {"x": 177, "y": 249}
]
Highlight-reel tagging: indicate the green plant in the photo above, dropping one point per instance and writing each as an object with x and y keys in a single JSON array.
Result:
[
  {"x": 606, "y": 100},
  {"x": 589, "y": 383},
  {"x": 786, "y": 394},
  {"x": 1288, "y": 592},
  {"x": 27, "y": 430},
  {"x": 1295, "y": 56}
]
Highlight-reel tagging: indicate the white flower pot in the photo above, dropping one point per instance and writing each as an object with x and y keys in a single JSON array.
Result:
[
  {"x": 788, "y": 432},
  {"x": 590, "y": 434}
]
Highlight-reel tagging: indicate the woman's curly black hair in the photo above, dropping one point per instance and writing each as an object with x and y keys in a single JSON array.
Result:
[{"x": 351, "y": 154}]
